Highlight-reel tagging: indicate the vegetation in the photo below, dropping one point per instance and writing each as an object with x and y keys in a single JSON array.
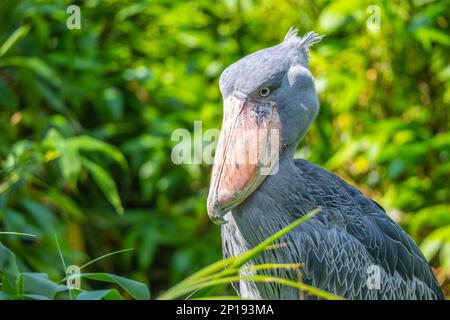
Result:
[{"x": 87, "y": 116}]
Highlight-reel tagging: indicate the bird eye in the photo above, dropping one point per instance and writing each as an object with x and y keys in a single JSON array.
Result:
[{"x": 264, "y": 92}]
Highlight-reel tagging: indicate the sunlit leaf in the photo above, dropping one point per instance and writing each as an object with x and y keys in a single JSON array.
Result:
[
  {"x": 86, "y": 143},
  {"x": 13, "y": 38}
]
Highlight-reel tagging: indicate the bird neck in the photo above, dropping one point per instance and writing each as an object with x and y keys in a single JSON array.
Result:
[{"x": 266, "y": 211}]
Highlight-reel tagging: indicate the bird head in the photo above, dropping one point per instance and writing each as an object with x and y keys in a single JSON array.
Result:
[{"x": 269, "y": 102}]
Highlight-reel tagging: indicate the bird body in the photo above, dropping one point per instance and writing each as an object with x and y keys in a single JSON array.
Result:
[
  {"x": 337, "y": 248},
  {"x": 351, "y": 248}
]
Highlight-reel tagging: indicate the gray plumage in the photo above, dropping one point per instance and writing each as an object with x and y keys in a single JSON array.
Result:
[
  {"x": 336, "y": 247},
  {"x": 351, "y": 234}
]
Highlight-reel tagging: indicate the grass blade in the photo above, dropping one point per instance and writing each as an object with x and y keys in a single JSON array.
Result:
[
  {"x": 13, "y": 38},
  {"x": 211, "y": 274},
  {"x": 263, "y": 245},
  {"x": 18, "y": 234}
]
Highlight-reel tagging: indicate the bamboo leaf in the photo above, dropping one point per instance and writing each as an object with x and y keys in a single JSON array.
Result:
[
  {"x": 105, "y": 183},
  {"x": 15, "y": 37},
  {"x": 88, "y": 143},
  {"x": 137, "y": 290},
  {"x": 109, "y": 294}
]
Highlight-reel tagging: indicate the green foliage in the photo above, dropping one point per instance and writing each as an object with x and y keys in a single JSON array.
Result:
[
  {"x": 38, "y": 286},
  {"x": 87, "y": 117},
  {"x": 209, "y": 280}
]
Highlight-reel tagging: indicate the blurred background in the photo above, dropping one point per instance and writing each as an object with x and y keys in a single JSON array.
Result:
[{"x": 87, "y": 114}]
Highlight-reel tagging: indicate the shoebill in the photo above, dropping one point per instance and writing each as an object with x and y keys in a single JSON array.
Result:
[{"x": 257, "y": 188}]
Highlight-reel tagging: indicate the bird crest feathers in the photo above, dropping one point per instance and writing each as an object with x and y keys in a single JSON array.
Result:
[{"x": 303, "y": 43}]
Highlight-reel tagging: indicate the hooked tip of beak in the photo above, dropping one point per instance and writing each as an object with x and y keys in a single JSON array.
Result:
[
  {"x": 215, "y": 213},
  {"x": 218, "y": 219}
]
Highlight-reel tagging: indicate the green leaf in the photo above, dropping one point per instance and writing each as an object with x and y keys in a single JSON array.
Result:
[
  {"x": 39, "y": 284},
  {"x": 444, "y": 255},
  {"x": 109, "y": 294},
  {"x": 430, "y": 247},
  {"x": 87, "y": 143},
  {"x": 9, "y": 269},
  {"x": 338, "y": 14},
  {"x": 37, "y": 65},
  {"x": 263, "y": 245},
  {"x": 114, "y": 101},
  {"x": 262, "y": 278},
  {"x": 130, "y": 10},
  {"x": 8, "y": 97},
  {"x": 137, "y": 290},
  {"x": 69, "y": 158},
  {"x": 105, "y": 183},
  {"x": 8, "y": 263},
  {"x": 32, "y": 296},
  {"x": 7, "y": 296},
  {"x": 12, "y": 233},
  {"x": 43, "y": 215},
  {"x": 13, "y": 39},
  {"x": 434, "y": 241},
  {"x": 63, "y": 202},
  {"x": 54, "y": 100}
]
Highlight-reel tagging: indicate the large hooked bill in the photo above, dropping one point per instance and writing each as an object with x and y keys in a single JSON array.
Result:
[{"x": 247, "y": 152}]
